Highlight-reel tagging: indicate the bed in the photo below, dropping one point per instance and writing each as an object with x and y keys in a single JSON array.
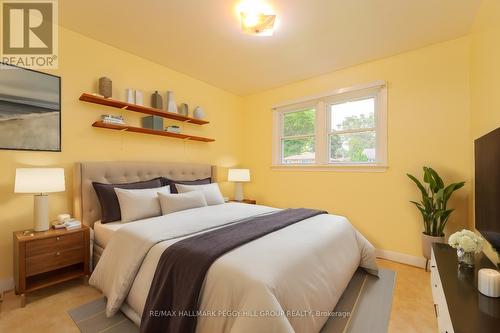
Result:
[{"x": 273, "y": 283}]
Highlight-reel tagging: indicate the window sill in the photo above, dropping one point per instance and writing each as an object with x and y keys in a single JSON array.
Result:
[{"x": 332, "y": 168}]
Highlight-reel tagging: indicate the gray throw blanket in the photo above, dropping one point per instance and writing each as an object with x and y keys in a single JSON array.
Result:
[{"x": 173, "y": 298}]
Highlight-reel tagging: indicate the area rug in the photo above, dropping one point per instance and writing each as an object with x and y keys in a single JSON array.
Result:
[
  {"x": 365, "y": 306},
  {"x": 367, "y": 303}
]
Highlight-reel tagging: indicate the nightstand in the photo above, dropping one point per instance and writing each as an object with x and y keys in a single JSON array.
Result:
[
  {"x": 247, "y": 201},
  {"x": 42, "y": 259}
]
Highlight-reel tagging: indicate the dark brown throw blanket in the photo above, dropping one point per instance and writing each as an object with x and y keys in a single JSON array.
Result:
[{"x": 172, "y": 301}]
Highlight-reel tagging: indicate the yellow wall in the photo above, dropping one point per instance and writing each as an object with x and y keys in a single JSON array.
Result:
[
  {"x": 82, "y": 62},
  {"x": 428, "y": 124},
  {"x": 485, "y": 73}
]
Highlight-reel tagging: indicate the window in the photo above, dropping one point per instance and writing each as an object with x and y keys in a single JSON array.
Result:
[
  {"x": 344, "y": 129},
  {"x": 297, "y": 143}
]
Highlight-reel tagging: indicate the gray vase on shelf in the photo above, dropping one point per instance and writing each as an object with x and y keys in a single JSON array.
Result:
[
  {"x": 156, "y": 101},
  {"x": 105, "y": 87},
  {"x": 184, "y": 109},
  {"x": 198, "y": 113},
  {"x": 171, "y": 106}
]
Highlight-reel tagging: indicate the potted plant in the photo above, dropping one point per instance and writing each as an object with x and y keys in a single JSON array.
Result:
[{"x": 433, "y": 207}]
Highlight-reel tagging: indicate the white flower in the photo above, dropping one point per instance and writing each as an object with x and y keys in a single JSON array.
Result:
[
  {"x": 467, "y": 240},
  {"x": 480, "y": 244},
  {"x": 467, "y": 244},
  {"x": 453, "y": 240},
  {"x": 469, "y": 233}
]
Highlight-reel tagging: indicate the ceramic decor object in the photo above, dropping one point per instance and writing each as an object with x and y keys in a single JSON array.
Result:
[
  {"x": 130, "y": 95},
  {"x": 153, "y": 122},
  {"x": 171, "y": 106},
  {"x": 105, "y": 87},
  {"x": 156, "y": 101},
  {"x": 184, "y": 109},
  {"x": 139, "y": 97},
  {"x": 198, "y": 113}
]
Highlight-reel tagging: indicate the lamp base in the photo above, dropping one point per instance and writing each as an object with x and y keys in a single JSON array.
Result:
[
  {"x": 41, "y": 212},
  {"x": 238, "y": 191}
]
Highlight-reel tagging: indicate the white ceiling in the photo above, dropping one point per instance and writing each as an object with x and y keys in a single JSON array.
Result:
[{"x": 202, "y": 38}]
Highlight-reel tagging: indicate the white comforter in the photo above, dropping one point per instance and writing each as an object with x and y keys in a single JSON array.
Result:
[{"x": 286, "y": 281}]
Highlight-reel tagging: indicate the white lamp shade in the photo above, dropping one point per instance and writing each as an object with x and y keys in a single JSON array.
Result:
[
  {"x": 238, "y": 175},
  {"x": 39, "y": 180}
]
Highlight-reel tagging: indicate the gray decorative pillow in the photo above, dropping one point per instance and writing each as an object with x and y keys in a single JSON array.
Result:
[{"x": 110, "y": 207}]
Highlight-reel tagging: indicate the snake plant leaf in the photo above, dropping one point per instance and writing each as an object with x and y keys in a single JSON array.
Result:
[
  {"x": 429, "y": 179},
  {"x": 445, "y": 215},
  {"x": 439, "y": 197},
  {"x": 426, "y": 175},
  {"x": 444, "y": 219},
  {"x": 435, "y": 176},
  {"x": 419, "y": 184},
  {"x": 448, "y": 191}
]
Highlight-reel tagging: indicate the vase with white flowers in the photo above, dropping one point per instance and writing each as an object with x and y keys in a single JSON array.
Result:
[{"x": 467, "y": 243}]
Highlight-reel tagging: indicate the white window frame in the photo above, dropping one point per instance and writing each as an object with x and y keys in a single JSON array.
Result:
[{"x": 321, "y": 103}]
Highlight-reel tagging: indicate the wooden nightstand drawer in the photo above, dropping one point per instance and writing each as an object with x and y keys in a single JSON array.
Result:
[
  {"x": 53, "y": 244},
  {"x": 54, "y": 260}
]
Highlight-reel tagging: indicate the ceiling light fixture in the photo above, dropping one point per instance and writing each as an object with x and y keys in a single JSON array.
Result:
[{"x": 256, "y": 18}]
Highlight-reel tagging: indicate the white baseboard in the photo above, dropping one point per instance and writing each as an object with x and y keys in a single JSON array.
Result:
[
  {"x": 6, "y": 284},
  {"x": 401, "y": 258}
]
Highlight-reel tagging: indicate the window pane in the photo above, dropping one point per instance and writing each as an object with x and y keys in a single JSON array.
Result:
[
  {"x": 353, "y": 115},
  {"x": 299, "y": 123},
  {"x": 298, "y": 151},
  {"x": 353, "y": 147}
]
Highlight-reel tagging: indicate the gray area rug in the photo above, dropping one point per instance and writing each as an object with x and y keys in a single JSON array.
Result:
[
  {"x": 368, "y": 300},
  {"x": 365, "y": 306},
  {"x": 91, "y": 318}
]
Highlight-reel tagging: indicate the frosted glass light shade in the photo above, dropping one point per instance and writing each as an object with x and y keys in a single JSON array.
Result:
[
  {"x": 238, "y": 175},
  {"x": 39, "y": 180}
]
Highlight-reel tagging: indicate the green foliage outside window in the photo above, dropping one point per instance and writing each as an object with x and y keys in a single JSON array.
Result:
[
  {"x": 299, "y": 123},
  {"x": 351, "y": 147},
  {"x": 343, "y": 147}
]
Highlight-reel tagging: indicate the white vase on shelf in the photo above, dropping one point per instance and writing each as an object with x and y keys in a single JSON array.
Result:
[
  {"x": 139, "y": 97},
  {"x": 198, "y": 113},
  {"x": 171, "y": 105},
  {"x": 130, "y": 95}
]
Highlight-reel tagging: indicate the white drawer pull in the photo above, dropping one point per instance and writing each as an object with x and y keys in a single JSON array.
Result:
[
  {"x": 58, "y": 253},
  {"x": 57, "y": 238}
]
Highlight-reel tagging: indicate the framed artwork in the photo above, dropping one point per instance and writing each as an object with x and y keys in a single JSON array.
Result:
[{"x": 30, "y": 109}]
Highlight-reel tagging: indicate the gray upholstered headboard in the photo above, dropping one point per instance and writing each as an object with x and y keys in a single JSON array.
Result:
[{"x": 86, "y": 204}]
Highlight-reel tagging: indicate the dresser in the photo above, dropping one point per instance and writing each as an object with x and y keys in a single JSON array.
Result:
[
  {"x": 458, "y": 305},
  {"x": 42, "y": 259}
]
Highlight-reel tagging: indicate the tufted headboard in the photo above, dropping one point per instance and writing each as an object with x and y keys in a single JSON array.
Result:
[{"x": 86, "y": 204}]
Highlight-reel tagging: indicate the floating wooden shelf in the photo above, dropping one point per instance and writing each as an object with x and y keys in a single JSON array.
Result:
[
  {"x": 101, "y": 124},
  {"x": 139, "y": 108}
]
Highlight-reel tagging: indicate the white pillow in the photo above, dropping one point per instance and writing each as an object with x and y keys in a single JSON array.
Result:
[
  {"x": 210, "y": 191},
  {"x": 175, "y": 202},
  {"x": 140, "y": 204}
]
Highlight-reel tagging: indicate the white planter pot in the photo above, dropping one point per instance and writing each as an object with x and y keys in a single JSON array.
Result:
[{"x": 427, "y": 244}]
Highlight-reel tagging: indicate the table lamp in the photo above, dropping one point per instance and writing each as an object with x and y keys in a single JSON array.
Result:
[
  {"x": 40, "y": 181},
  {"x": 239, "y": 176}
]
